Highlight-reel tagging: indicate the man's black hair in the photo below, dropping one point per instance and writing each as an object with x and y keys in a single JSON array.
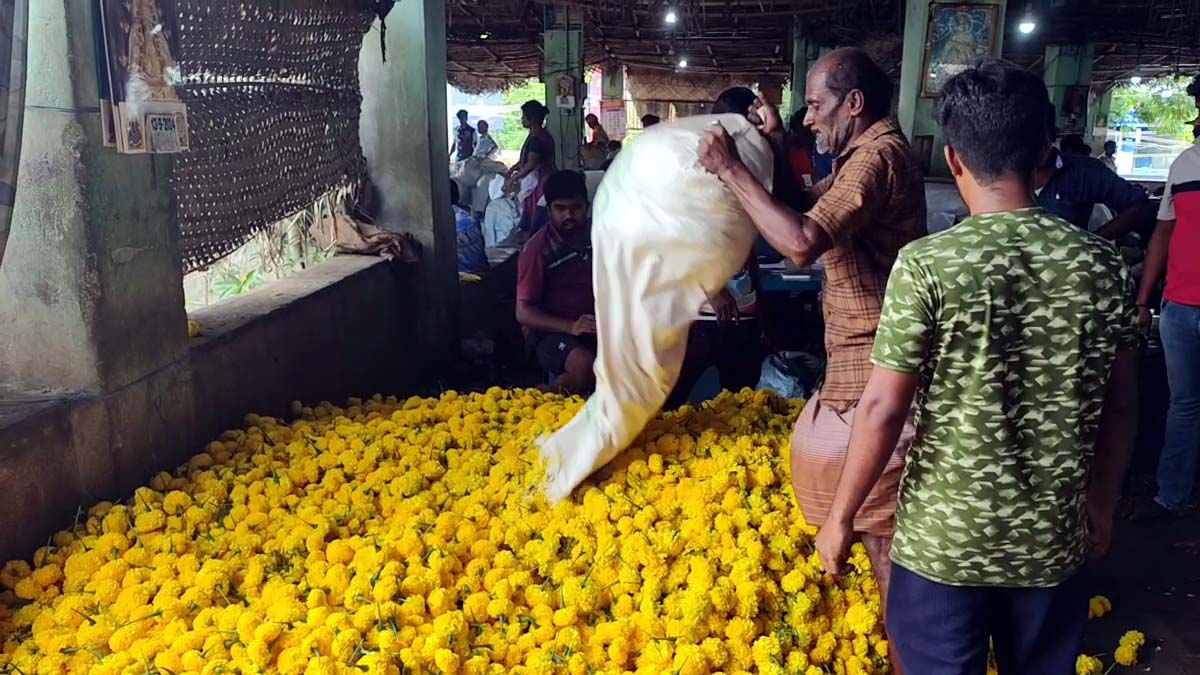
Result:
[
  {"x": 994, "y": 116},
  {"x": 1051, "y": 122},
  {"x": 565, "y": 185},
  {"x": 453, "y": 191},
  {"x": 461, "y": 114},
  {"x": 734, "y": 100},
  {"x": 534, "y": 110},
  {"x": 650, "y": 119},
  {"x": 1073, "y": 144},
  {"x": 1108, "y": 143},
  {"x": 851, "y": 68}
]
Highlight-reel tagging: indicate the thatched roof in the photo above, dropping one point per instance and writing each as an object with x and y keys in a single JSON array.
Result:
[{"x": 491, "y": 43}]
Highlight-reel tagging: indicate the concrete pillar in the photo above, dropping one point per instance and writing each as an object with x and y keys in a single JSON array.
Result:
[
  {"x": 1068, "y": 75},
  {"x": 563, "y": 72},
  {"x": 404, "y": 130},
  {"x": 915, "y": 110},
  {"x": 91, "y": 294},
  {"x": 94, "y": 364}
]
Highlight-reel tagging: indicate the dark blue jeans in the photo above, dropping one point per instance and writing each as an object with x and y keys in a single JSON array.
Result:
[
  {"x": 943, "y": 630},
  {"x": 1179, "y": 328}
]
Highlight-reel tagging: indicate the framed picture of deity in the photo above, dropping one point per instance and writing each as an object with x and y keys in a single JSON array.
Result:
[{"x": 957, "y": 36}]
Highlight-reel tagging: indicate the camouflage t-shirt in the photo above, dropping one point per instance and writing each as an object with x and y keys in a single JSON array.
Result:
[{"x": 1013, "y": 321}]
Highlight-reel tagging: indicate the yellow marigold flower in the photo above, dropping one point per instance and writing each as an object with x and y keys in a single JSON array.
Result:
[
  {"x": 1098, "y": 606},
  {"x": 1126, "y": 655},
  {"x": 1088, "y": 665},
  {"x": 1127, "y": 650},
  {"x": 861, "y": 619}
]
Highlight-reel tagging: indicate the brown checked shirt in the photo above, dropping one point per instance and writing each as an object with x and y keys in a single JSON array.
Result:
[{"x": 871, "y": 206}]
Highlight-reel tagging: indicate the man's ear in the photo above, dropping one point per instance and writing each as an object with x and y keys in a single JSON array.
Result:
[
  {"x": 953, "y": 161},
  {"x": 855, "y": 102}
]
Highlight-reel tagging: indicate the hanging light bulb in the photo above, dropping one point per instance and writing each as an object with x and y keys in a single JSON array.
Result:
[
  {"x": 1135, "y": 80},
  {"x": 683, "y": 63},
  {"x": 1028, "y": 23},
  {"x": 671, "y": 17}
]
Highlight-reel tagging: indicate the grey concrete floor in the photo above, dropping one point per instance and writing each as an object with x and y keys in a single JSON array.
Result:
[{"x": 1152, "y": 576}]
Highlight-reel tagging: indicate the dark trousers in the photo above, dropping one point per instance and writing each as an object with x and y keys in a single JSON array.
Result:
[
  {"x": 943, "y": 630},
  {"x": 734, "y": 349}
]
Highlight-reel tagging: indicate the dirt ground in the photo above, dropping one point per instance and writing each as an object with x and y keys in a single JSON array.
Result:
[{"x": 1152, "y": 576}]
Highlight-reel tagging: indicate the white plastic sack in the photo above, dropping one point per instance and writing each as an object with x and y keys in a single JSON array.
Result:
[
  {"x": 496, "y": 187},
  {"x": 499, "y": 220},
  {"x": 666, "y": 234}
]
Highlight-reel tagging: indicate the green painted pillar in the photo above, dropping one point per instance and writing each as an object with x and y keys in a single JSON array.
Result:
[
  {"x": 1068, "y": 75},
  {"x": 91, "y": 291},
  {"x": 806, "y": 49},
  {"x": 404, "y": 135},
  {"x": 916, "y": 102},
  {"x": 805, "y": 52},
  {"x": 91, "y": 296},
  {"x": 563, "y": 75}
]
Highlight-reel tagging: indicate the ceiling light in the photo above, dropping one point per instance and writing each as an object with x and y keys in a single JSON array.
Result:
[
  {"x": 671, "y": 16},
  {"x": 1136, "y": 79},
  {"x": 683, "y": 63},
  {"x": 485, "y": 36},
  {"x": 1027, "y": 25}
]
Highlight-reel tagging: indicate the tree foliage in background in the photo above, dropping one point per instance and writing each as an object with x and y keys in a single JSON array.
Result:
[
  {"x": 513, "y": 134},
  {"x": 1163, "y": 104}
]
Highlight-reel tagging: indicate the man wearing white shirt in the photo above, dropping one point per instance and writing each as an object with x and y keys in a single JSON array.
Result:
[
  {"x": 486, "y": 147},
  {"x": 1173, "y": 250}
]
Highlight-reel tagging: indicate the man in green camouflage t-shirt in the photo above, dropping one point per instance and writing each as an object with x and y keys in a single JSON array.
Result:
[{"x": 1016, "y": 332}]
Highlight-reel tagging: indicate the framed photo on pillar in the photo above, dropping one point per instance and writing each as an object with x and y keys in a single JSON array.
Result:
[
  {"x": 1074, "y": 109},
  {"x": 957, "y": 35}
]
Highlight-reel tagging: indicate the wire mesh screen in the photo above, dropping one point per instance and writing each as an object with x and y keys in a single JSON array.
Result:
[{"x": 273, "y": 104}]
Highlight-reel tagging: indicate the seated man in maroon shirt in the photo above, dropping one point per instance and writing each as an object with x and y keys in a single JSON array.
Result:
[{"x": 555, "y": 306}]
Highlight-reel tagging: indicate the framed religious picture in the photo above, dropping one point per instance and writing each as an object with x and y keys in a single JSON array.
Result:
[
  {"x": 956, "y": 37},
  {"x": 140, "y": 43}
]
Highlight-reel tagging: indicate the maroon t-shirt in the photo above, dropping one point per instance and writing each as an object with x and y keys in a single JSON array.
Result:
[{"x": 554, "y": 276}]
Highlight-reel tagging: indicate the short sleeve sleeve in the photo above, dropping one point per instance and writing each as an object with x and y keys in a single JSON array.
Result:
[
  {"x": 1118, "y": 193},
  {"x": 854, "y": 197},
  {"x": 536, "y": 146},
  {"x": 1166, "y": 208},
  {"x": 530, "y": 274},
  {"x": 1128, "y": 335},
  {"x": 906, "y": 325}
]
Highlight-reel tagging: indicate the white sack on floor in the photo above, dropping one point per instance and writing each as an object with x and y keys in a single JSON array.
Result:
[
  {"x": 666, "y": 234},
  {"x": 499, "y": 221}
]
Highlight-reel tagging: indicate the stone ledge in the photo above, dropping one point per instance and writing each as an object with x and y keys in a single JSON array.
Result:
[
  {"x": 341, "y": 328},
  {"x": 335, "y": 330},
  {"x": 219, "y": 320}
]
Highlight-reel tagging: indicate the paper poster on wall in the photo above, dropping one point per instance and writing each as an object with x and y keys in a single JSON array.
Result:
[
  {"x": 139, "y": 43},
  {"x": 612, "y": 118}
]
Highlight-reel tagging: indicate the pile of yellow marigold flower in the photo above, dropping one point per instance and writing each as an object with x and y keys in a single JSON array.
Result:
[{"x": 409, "y": 536}]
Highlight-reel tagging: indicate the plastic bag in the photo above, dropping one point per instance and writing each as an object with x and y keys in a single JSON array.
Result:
[
  {"x": 499, "y": 221},
  {"x": 790, "y": 374},
  {"x": 666, "y": 234}
]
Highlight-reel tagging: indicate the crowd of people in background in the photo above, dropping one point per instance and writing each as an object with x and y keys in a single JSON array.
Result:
[{"x": 978, "y": 407}]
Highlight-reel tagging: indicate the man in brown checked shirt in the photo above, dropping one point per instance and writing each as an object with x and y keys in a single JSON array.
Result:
[{"x": 871, "y": 206}]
